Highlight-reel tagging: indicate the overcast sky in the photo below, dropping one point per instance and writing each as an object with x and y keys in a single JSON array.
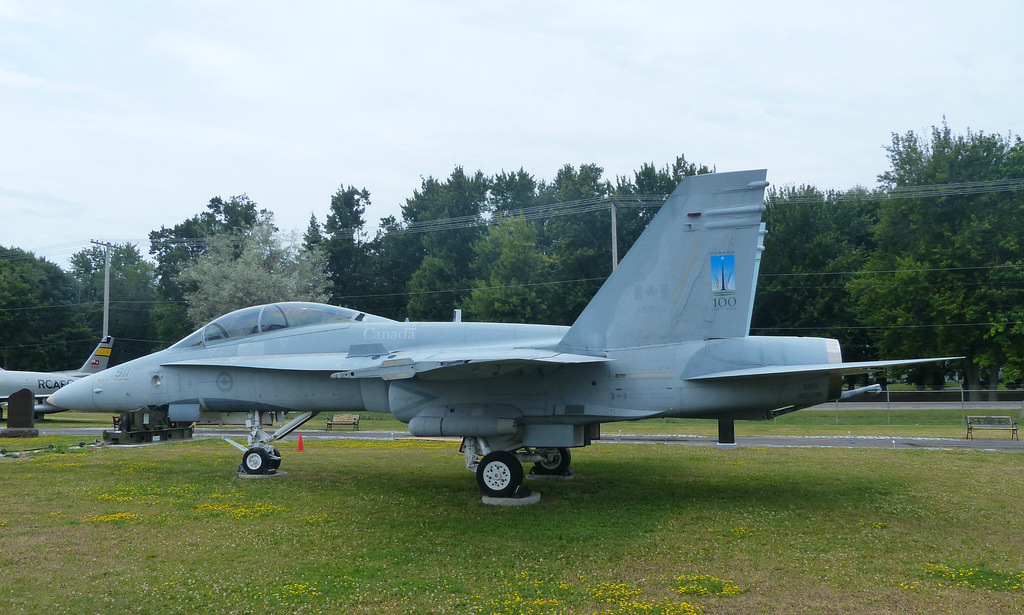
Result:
[{"x": 119, "y": 117}]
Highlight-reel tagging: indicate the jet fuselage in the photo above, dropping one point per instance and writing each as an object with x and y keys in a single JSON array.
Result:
[{"x": 632, "y": 383}]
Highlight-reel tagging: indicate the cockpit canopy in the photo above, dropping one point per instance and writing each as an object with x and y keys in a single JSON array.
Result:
[{"x": 260, "y": 319}]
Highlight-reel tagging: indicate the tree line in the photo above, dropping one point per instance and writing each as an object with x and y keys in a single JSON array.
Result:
[{"x": 908, "y": 268}]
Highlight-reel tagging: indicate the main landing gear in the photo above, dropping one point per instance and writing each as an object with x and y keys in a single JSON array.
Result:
[
  {"x": 499, "y": 473},
  {"x": 261, "y": 457},
  {"x": 555, "y": 463}
]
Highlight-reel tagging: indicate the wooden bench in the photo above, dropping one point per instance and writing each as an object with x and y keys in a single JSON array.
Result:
[
  {"x": 344, "y": 419},
  {"x": 992, "y": 422}
]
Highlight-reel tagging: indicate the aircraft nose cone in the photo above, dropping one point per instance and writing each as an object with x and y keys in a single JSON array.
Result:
[{"x": 75, "y": 396}]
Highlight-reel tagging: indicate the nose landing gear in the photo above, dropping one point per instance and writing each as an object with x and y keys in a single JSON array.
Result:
[{"x": 261, "y": 457}]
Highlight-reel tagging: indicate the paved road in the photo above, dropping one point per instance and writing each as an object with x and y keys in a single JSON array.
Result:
[{"x": 988, "y": 444}]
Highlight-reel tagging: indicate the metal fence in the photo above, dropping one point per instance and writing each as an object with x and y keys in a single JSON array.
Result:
[
  {"x": 944, "y": 406},
  {"x": 949, "y": 397}
]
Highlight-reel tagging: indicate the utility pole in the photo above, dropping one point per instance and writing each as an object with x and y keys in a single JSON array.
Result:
[
  {"x": 106, "y": 285},
  {"x": 615, "y": 236}
]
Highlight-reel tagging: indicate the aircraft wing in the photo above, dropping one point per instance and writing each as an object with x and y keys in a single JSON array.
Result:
[
  {"x": 845, "y": 369},
  {"x": 447, "y": 363}
]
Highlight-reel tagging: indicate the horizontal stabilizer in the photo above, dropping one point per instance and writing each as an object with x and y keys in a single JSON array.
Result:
[
  {"x": 874, "y": 388},
  {"x": 844, "y": 369}
]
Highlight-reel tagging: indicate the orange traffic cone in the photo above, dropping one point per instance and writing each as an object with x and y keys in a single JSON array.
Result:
[{"x": 299, "y": 448}]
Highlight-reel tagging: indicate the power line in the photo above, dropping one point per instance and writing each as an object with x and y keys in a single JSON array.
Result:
[
  {"x": 60, "y": 249},
  {"x": 602, "y": 203},
  {"x": 95, "y": 304},
  {"x": 466, "y": 290},
  {"x": 58, "y": 343},
  {"x": 889, "y": 327},
  {"x": 448, "y": 291},
  {"x": 537, "y": 212},
  {"x": 965, "y": 188},
  {"x": 902, "y": 192},
  {"x": 922, "y": 270}
]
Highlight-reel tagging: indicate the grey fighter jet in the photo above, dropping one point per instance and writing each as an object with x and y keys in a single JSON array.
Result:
[
  {"x": 667, "y": 335},
  {"x": 43, "y": 384}
]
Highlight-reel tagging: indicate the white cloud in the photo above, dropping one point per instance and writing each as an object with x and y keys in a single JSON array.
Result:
[
  {"x": 214, "y": 61},
  {"x": 20, "y": 81},
  {"x": 140, "y": 113}
]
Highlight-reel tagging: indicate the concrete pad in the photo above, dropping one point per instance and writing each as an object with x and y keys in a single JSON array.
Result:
[
  {"x": 272, "y": 474},
  {"x": 532, "y": 498},
  {"x": 19, "y": 432},
  {"x": 552, "y": 477}
]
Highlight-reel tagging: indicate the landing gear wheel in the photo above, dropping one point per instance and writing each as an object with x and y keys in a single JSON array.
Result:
[
  {"x": 499, "y": 474},
  {"x": 558, "y": 465},
  {"x": 275, "y": 458},
  {"x": 256, "y": 461}
]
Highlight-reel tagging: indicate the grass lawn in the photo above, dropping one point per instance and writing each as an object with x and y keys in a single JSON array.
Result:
[{"x": 398, "y": 527}]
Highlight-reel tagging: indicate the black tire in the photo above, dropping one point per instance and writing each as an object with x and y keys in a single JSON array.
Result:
[
  {"x": 558, "y": 465},
  {"x": 275, "y": 459},
  {"x": 499, "y": 474},
  {"x": 256, "y": 461}
]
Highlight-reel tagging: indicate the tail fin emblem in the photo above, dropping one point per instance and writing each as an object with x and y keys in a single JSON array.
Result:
[{"x": 723, "y": 273}]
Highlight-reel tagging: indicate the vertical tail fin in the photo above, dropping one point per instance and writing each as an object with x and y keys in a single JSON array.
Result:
[
  {"x": 97, "y": 362},
  {"x": 690, "y": 276}
]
